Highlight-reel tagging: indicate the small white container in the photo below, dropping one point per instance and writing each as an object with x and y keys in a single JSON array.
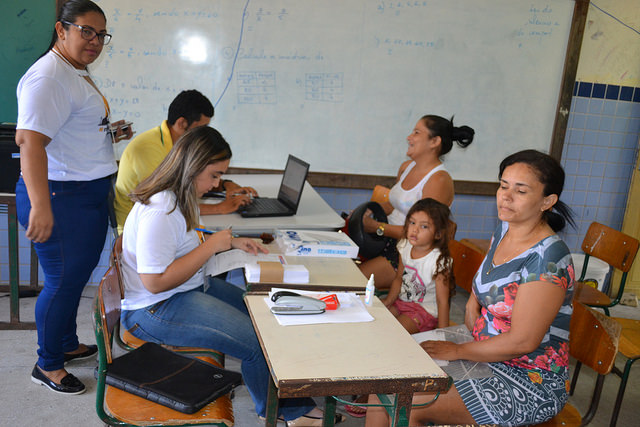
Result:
[
  {"x": 369, "y": 291},
  {"x": 597, "y": 270}
]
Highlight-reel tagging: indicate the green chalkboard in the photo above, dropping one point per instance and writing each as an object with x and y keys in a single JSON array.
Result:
[{"x": 25, "y": 31}]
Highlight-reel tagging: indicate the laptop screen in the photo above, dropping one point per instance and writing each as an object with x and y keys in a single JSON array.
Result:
[{"x": 295, "y": 175}]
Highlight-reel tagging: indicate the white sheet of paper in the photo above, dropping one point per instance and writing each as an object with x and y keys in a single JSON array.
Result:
[
  {"x": 236, "y": 258},
  {"x": 351, "y": 309},
  {"x": 434, "y": 335}
]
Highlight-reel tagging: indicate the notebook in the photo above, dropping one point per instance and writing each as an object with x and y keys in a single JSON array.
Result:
[
  {"x": 293, "y": 179},
  {"x": 170, "y": 379}
]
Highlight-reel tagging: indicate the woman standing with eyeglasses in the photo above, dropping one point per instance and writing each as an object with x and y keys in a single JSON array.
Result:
[{"x": 66, "y": 158}]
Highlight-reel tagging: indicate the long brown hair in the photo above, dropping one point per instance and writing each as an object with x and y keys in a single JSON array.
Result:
[
  {"x": 190, "y": 155},
  {"x": 440, "y": 215}
]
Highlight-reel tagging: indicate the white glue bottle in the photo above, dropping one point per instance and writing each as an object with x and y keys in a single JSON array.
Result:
[{"x": 369, "y": 291}]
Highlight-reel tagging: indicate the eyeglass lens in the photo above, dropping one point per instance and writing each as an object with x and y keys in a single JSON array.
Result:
[{"x": 89, "y": 34}]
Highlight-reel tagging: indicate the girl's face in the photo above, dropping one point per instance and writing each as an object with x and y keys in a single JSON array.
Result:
[
  {"x": 419, "y": 140},
  {"x": 421, "y": 232},
  {"x": 77, "y": 50},
  {"x": 520, "y": 197},
  {"x": 210, "y": 176}
]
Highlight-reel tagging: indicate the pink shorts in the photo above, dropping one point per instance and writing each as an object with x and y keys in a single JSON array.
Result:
[{"x": 418, "y": 314}]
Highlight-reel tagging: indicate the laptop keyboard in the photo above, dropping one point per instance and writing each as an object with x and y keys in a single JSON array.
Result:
[{"x": 265, "y": 204}]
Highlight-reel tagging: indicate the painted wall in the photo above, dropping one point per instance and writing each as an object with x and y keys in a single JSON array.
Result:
[{"x": 600, "y": 147}]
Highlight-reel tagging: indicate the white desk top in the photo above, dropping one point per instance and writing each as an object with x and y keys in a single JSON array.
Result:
[
  {"x": 344, "y": 358},
  {"x": 313, "y": 212},
  {"x": 325, "y": 274}
]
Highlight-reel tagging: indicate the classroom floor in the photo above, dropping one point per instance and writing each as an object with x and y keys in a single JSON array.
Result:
[{"x": 27, "y": 404}]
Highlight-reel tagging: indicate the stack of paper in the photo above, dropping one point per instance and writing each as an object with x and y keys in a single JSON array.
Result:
[{"x": 291, "y": 274}]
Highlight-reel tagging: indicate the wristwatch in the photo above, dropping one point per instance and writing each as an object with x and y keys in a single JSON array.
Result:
[{"x": 380, "y": 230}]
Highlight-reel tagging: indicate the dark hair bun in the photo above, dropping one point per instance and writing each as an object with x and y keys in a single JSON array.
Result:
[{"x": 463, "y": 135}]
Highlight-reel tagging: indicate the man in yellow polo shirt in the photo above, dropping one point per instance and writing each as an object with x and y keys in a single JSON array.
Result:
[{"x": 146, "y": 151}]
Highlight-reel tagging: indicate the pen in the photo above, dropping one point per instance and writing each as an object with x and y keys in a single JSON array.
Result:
[{"x": 205, "y": 231}]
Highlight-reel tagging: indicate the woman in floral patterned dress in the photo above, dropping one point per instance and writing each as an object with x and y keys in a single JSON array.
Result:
[{"x": 519, "y": 311}]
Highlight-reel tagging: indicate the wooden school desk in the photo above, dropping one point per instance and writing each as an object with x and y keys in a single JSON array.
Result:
[
  {"x": 325, "y": 274},
  {"x": 313, "y": 212},
  {"x": 343, "y": 359}
]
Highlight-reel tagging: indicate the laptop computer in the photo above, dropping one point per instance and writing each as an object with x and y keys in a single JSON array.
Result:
[{"x": 293, "y": 179}]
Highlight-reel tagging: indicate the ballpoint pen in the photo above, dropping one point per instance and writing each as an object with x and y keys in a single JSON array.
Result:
[{"x": 205, "y": 231}]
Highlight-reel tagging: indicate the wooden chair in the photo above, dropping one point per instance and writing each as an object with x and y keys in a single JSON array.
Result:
[
  {"x": 630, "y": 349},
  {"x": 616, "y": 249},
  {"x": 117, "y": 407},
  {"x": 480, "y": 245},
  {"x": 593, "y": 340},
  {"x": 466, "y": 262}
]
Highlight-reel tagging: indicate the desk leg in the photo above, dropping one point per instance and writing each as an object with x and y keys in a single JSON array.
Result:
[
  {"x": 329, "y": 412},
  {"x": 402, "y": 409},
  {"x": 271, "y": 418}
]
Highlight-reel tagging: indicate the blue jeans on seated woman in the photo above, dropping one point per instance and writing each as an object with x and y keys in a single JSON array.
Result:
[{"x": 217, "y": 319}]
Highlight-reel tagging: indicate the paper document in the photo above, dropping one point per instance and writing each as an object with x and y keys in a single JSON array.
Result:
[
  {"x": 456, "y": 369},
  {"x": 291, "y": 273},
  {"x": 236, "y": 258},
  {"x": 351, "y": 309}
]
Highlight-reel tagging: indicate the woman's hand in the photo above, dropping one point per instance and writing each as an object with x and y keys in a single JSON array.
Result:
[
  {"x": 368, "y": 222},
  {"x": 40, "y": 224},
  {"x": 219, "y": 241},
  {"x": 248, "y": 245},
  {"x": 227, "y": 206},
  {"x": 233, "y": 190},
  {"x": 122, "y": 132},
  {"x": 443, "y": 350}
]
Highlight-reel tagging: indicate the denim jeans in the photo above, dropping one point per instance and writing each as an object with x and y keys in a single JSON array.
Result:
[
  {"x": 67, "y": 259},
  {"x": 217, "y": 319}
]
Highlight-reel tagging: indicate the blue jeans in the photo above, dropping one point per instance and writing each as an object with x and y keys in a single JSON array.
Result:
[
  {"x": 67, "y": 259},
  {"x": 215, "y": 319}
]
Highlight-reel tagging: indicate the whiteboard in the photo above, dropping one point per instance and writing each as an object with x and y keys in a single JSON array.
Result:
[{"x": 342, "y": 83}]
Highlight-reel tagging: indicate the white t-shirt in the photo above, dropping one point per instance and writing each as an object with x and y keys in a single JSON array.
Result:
[
  {"x": 418, "y": 284},
  {"x": 152, "y": 239},
  {"x": 54, "y": 99},
  {"x": 402, "y": 199}
]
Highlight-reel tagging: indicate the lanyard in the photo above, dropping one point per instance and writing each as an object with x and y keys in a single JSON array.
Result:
[{"x": 85, "y": 75}]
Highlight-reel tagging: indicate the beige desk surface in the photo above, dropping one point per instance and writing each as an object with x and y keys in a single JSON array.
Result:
[
  {"x": 313, "y": 212},
  {"x": 325, "y": 273},
  {"x": 344, "y": 358}
]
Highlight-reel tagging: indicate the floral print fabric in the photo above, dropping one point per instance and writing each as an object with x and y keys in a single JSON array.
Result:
[{"x": 496, "y": 287}]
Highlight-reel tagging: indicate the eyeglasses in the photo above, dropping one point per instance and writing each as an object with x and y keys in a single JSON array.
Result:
[{"x": 89, "y": 33}]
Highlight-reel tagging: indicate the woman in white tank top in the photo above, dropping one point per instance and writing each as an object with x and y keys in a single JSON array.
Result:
[{"x": 422, "y": 176}]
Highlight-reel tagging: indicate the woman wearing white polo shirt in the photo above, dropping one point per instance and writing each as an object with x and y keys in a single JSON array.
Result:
[{"x": 66, "y": 159}]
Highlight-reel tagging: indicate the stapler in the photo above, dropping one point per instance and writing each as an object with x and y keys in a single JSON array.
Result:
[{"x": 292, "y": 303}]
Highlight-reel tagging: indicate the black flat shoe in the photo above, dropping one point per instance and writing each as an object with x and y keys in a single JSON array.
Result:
[
  {"x": 69, "y": 384},
  {"x": 90, "y": 351}
]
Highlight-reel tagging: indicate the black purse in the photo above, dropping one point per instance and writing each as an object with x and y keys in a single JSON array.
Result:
[
  {"x": 370, "y": 244},
  {"x": 170, "y": 379}
]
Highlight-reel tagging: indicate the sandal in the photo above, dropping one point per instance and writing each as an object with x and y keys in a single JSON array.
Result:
[{"x": 356, "y": 411}]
